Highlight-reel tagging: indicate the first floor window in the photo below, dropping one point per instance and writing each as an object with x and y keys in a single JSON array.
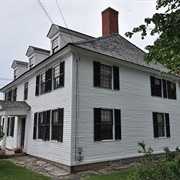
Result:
[
  {"x": 10, "y": 126},
  {"x": 49, "y": 125},
  {"x": 57, "y": 125},
  {"x": 161, "y": 124},
  {"x": 107, "y": 124}
]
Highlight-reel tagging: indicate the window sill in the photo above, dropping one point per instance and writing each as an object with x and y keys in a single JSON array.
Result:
[{"x": 102, "y": 88}]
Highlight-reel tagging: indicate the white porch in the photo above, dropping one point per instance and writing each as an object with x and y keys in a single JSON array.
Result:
[{"x": 19, "y": 110}]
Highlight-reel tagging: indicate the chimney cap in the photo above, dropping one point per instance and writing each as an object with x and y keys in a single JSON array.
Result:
[{"x": 109, "y": 8}]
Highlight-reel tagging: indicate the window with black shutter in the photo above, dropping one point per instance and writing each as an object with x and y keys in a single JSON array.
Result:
[
  {"x": 57, "y": 124},
  {"x": 106, "y": 76},
  {"x": 47, "y": 128},
  {"x": 48, "y": 80},
  {"x": 35, "y": 126},
  {"x": 9, "y": 95},
  {"x": 14, "y": 92},
  {"x": 26, "y": 91},
  {"x": 104, "y": 121},
  {"x": 161, "y": 125},
  {"x": 41, "y": 126},
  {"x": 162, "y": 86},
  {"x": 42, "y": 82}
]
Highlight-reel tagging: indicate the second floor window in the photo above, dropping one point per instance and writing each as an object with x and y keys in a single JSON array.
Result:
[
  {"x": 53, "y": 77},
  {"x": 25, "y": 90},
  {"x": 162, "y": 88},
  {"x": 106, "y": 76}
]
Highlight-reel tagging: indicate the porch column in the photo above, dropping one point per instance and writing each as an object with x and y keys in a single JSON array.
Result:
[{"x": 5, "y": 135}]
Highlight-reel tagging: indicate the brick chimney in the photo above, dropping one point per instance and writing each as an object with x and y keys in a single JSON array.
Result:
[{"x": 109, "y": 21}]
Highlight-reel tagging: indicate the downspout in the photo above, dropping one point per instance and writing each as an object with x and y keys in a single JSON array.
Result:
[{"x": 77, "y": 109}]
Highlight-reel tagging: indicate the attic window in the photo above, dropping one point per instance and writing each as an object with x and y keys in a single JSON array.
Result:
[
  {"x": 15, "y": 73},
  {"x": 31, "y": 62},
  {"x": 55, "y": 45}
]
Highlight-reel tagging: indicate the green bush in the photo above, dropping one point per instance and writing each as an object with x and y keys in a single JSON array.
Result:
[{"x": 165, "y": 168}]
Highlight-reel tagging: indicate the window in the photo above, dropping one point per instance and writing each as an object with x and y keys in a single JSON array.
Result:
[
  {"x": 31, "y": 62},
  {"x": 57, "y": 125},
  {"x": 10, "y": 126},
  {"x": 45, "y": 130},
  {"x": 25, "y": 90},
  {"x": 55, "y": 45},
  {"x": 51, "y": 78},
  {"x": 59, "y": 75},
  {"x": 162, "y": 88},
  {"x": 15, "y": 73},
  {"x": 42, "y": 81},
  {"x": 107, "y": 124},
  {"x": 14, "y": 92},
  {"x": 161, "y": 125},
  {"x": 9, "y": 95},
  {"x": 43, "y": 125},
  {"x": 106, "y": 76}
]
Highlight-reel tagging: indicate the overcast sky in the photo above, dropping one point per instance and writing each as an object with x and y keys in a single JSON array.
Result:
[{"x": 24, "y": 23}]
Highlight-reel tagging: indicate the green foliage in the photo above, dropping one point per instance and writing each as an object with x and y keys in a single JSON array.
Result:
[
  {"x": 165, "y": 49},
  {"x": 165, "y": 168},
  {"x": 1, "y": 132}
]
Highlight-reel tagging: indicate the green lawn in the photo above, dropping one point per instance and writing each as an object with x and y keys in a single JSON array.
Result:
[
  {"x": 115, "y": 176},
  {"x": 10, "y": 171}
]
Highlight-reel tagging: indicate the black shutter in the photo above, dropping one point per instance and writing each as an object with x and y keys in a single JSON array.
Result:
[
  {"x": 97, "y": 74},
  {"x": 35, "y": 126},
  {"x": 164, "y": 88},
  {"x": 60, "y": 126},
  {"x": 12, "y": 127},
  {"x": 171, "y": 90},
  {"x": 44, "y": 126},
  {"x": 8, "y": 123},
  {"x": 153, "y": 89},
  {"x": 47, "y": 125},
  {"x": 97, "y": 124},
  {"x": 117, "y": 124},
  {"x": 48, "y": 80},
  {"x": 62, "y": 72},
  {"x": 116, "y": 77},
  {"x": 37, "y": 85},
  {"x": 155, "y": 125},
  {"x": 168, "y": 134}
]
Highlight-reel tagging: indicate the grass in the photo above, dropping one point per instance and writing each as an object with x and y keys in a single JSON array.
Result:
[
  {"x": 10, "y": 171},
  {"x": 114, "y": 176}
]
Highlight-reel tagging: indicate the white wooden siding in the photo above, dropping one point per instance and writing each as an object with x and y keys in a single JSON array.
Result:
[{"x": 136, "y": 104}]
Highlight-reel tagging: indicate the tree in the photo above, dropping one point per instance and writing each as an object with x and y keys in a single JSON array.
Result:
[
  {"x": 1, "y": 132},
  {"x": 166, "y": 48}
]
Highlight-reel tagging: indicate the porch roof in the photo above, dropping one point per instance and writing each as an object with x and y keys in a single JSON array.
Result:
[{"x": 13, "y": 108}]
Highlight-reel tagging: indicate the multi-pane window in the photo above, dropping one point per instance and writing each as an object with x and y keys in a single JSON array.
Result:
[
  {"x": 31, "y": 62},
  {"x": 15, "y": 73},
  {"x": 161, "y": 124},
  {"x": 57, "y": 125},
  {"x": 49, "y": 125},
  {"x": 25, "y": 90},
  {"x": 53, "y": 77},
  {"x": 107, "y": 124},
  {"x": 56, "y": 76},
  {"x": 106, "y": 76},
  {"x": 163, "y": 88},
  {"x": 42, "y": 81},
  {"x": 55, "y": 45},
  {"x": 10, "y": 126},
  {"x": 11, "y": 95}
]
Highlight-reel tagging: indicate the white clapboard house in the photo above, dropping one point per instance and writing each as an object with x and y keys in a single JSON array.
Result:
[{"x": 89, "y": 101}]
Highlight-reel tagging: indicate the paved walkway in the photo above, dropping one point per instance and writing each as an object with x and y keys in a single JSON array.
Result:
[{"x": 49, "y": 169}]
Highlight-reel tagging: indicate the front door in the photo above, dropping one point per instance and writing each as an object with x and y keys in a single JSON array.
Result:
[{"x": 23, "y": 131}]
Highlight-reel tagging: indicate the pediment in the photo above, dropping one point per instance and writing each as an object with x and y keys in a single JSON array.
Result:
[{"x": 53, "y": 30}]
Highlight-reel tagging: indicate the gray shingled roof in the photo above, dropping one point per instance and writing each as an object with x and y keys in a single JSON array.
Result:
[
  {"x": 13, "y": 105},
  {"x": 118, "y": 47}
]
